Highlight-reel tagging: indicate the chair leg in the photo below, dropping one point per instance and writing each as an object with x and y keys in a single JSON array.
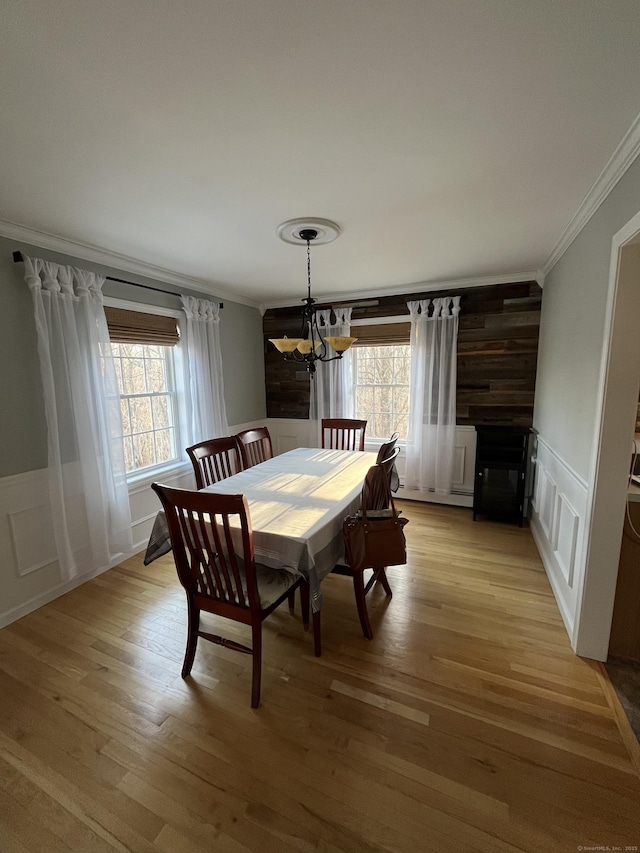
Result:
[
  {"x": 192, "y": 637},
  {"x": 361, "y": 602},
  {"x": 317, "y": 639},
  {"x": 292, "y": 601},
  {"x": 382, "y": 577},
  {"x": 304, "y": 604},
  {"x": 256, "y": 632}
]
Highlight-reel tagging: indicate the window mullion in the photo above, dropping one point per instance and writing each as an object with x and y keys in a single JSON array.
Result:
[
  {"x": 369, "y": 361},
  {"x": 143, "y": 438}
]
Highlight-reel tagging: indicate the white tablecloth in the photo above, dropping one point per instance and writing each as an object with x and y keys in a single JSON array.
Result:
[{"x": 297, "y": 503}]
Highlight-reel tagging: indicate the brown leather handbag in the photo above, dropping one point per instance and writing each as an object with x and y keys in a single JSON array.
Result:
[{"x": 374, "y": 539}]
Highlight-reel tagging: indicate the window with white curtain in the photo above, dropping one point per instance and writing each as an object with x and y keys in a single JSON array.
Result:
[{"x": 150, "y": 383}]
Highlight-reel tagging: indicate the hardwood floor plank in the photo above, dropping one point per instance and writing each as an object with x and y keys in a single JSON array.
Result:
[
  {"x": 9, "y": 843},
  {"x": 35, "y": 836},
  {"x": 377, "y": 701},
  {"x": 73, "y": 799}
]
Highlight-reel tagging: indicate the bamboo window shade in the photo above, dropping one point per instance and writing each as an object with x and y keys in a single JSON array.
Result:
[
  {"x": 381, "y": 333},
  {"x": 138, "y": 327}
]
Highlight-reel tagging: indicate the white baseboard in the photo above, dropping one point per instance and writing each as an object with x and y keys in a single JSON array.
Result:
[
  {"x": 48, "y": 595},
  {"x": 454, "y": 499}
]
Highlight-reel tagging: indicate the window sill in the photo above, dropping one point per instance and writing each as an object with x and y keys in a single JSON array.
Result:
[
  {"x": 376, "y": 443},
  {"x": 141, "y": 481}
]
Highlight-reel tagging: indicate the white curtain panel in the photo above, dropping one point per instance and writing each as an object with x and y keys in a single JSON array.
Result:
[
  {"x": 332, "y": 385},
  {"x": 87, "y": 479},
  {"x": 206, "y": 412},
  {"x": 432, "y": 395}
]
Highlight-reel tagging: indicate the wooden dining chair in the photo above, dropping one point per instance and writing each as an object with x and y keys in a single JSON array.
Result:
[
  {"x": 216, "y": 566},
  {"x": 376, "y": 495},
  {"x": 214, "y": 460},
  {"x": 255, "y": 446},
  {"x": 343, "y": 433},
  {"x": 387, "y": 450}
]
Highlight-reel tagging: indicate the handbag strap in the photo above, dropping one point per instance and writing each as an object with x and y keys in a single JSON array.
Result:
[{"x": 395, "y": 513}]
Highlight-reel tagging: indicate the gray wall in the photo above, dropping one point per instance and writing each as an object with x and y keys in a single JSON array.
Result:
[
  {"x": 572, "y": 329},
  {"x": 22, "y": 422}
]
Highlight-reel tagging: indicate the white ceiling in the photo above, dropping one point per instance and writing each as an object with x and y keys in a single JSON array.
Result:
[{"x": 448, "y": 138}]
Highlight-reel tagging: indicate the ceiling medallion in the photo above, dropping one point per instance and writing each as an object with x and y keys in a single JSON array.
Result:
[{"x": 290, "y": 231}]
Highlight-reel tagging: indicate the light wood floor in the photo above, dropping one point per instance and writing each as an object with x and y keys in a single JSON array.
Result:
[{"x": 466, "y": 725}]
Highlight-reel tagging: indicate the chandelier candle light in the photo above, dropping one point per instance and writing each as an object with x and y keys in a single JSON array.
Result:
[{"x": 312, "y": 346}]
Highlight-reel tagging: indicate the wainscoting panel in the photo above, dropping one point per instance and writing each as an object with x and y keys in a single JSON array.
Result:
[
  {"x": 566, "y": 539},
  {"x": 29, "y": 571},
  {"x": 463, "y": 473},
  {"x": 28, "y": 563},
  {"x": 145, "y": 503},
  {"x": 290, "y": 433},
  {"x": 32, "y": 552},
  {"x": 558, "y": 525},
  {"x": 548, "y": 491}
]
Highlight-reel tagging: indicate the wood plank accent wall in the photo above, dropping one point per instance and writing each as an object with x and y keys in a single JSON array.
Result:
[{"x": 497, "y": 353}]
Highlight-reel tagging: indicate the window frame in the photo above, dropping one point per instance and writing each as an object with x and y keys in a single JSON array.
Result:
[
  {"x": 142, "y": 477},
  {"x": 377, "y": 321}
]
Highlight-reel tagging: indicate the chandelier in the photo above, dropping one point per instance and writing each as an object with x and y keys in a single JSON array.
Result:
[{"x": 312, "y": 346}]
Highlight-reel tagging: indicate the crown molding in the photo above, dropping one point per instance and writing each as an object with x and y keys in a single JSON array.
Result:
[
  {"x": 618, "y": 163},
  {"x": 415, "y": 287},
  {"x": 116, "y": 261}
]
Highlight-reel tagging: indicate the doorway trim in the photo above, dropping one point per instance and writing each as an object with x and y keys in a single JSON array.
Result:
[{"x": 609, "y": 465}]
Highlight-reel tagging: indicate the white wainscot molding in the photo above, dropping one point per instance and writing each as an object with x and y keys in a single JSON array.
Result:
[
  {"x": 463, "y": 473},
  {"x": 26, "y": 542},
  {"x": 288, "y": 434},
  {"x": 29, "y": 572},
  {"x": 291, "y": 433},
  {"x": 145, "y": 503},
  {"x": 28, "y": 562},
  {"x": 558, "y": 525}
]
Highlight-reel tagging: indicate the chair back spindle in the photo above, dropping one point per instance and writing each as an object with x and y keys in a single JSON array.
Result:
[
  {"x": 387, "y": 458},
  {"x": 214, "y": 460},
  {"x": 387, "y": 448},
  {"x": 343, "y": 433},
  {"x": 214, "y": 557},
  {"x": 255, "y": 446}
]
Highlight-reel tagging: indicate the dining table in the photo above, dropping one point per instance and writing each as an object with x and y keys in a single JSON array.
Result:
[{"x": 297, "y": 504}]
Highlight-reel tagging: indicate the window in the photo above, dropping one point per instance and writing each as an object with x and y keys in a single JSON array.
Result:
[
  {"x": 381, "y": 381},
  {"x": 147, "y": 388},
  {"x": 143, "y": 343}
]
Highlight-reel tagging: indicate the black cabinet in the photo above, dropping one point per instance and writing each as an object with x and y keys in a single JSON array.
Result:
[{"x": 500, "y": 472}]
